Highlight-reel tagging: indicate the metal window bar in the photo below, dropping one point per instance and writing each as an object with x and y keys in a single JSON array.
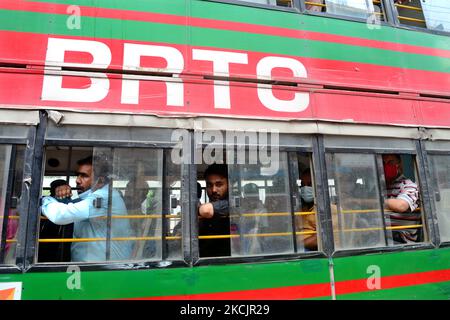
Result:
[
  {"x": 165, "y": 207},
  {"x": 109, "y": 215},
  {"x": 293, "y": 173},
  {"x": 67, "y": 229},
  {"x": 434, "y": 192},
  {"x": 381, "y": 192},
  {"x": 9, "y": 194},
  {"x": 338, "y": 200},
  {"x": 429, "y": 218},
  {"x": 324, "y": 217},
  {"x": 30, "y": 193}
]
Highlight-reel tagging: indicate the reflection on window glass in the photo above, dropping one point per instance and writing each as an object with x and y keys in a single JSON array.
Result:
[
  {"x": 173, "y": 226},
  {"x": 280, "y": 3},
  {"x": 355, "y": 204},
  {"x": 122, "y": 209},
  {"x": 5, "y": 155},
  {"x": 138, "y": 176},
  {"x": 11, "y": 164},
  {"x": 437, "y": 14},
  {"x": 261, "y": 219},
  {"x": 440, "y": 166},
  {"x": 362, "y": 9}
]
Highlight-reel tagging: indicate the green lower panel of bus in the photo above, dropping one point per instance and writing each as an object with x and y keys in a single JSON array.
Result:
[
  {"x": 422, "y": 274},
  {"x": 419, "y": 274},
  {"x": 245, "y": 281}
]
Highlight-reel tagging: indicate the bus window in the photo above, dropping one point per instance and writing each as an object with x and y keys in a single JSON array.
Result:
[
  {"x": 440, "y": 167},
  {"x": 11, "y": 164},
  {"x": 355, "y": 201},
  {"x": 361, "y": 219},
  {"x": 433, "y": 15},
  {"x": 405, "y": 224},
  {"x": 257, "y": 209},
  {"x": 123, "y": 204},
  {"x": 367, "y": 10}
]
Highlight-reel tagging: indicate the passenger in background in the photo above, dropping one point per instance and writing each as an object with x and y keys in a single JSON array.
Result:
[
  {"x": 53, "y": 251},
  {"x": 139, "y": 202},
  {"x": 89, "y": 214},
  {"x": 214, "y": 217},
  {"x": 278, "y": 201},
  {"x": 135, "y": 198},
  {"x": 403, "y": 200}
]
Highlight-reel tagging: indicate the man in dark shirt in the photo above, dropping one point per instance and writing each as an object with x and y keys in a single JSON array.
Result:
[{"x": 214, "y": 218}]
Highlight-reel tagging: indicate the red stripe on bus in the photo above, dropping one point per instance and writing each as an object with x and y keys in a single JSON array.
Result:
[
  {"x": 96, "y": 12},
  {"x": 391, "y": 282},
  {"x": 33, "y": 49},
  {"x": 316, "y": 290},
  {"x": 284, "y": 293}
]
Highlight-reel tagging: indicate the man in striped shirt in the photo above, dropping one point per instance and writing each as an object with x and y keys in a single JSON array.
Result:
[{"x": 403, "y": 200}]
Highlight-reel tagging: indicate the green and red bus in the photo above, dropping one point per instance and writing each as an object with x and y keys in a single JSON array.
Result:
[{"x": 333, "y": 85}]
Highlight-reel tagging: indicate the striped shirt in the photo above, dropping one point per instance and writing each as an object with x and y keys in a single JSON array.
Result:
[{"x": 405, "y": 189}]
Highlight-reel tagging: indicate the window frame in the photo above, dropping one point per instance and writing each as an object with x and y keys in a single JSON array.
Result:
[
  {"x": 428, "y": 169},
  {"x": 23, "y": 205},
  {"x": 33, "y": 232},
  {"x": 427, "y": 215},
  {"x": 320, "y": 253}
]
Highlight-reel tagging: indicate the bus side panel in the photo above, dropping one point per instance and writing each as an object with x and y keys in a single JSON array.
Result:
[
  {"x": 278, "y": 280},
  {"x": 422, "y": 274}
]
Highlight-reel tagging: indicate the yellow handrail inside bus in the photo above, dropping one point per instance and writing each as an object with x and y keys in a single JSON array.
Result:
[
  {"x": 404, "y": 6},
  {"x": 228, "y": 236},
  {"x": 411, "y": 19},
  {"x": 316, "y": 4},
  {"x": 104, "y": 239}
]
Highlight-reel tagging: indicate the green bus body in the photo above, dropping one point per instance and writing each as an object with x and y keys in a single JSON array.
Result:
[{"x": 421, "y": 274}]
